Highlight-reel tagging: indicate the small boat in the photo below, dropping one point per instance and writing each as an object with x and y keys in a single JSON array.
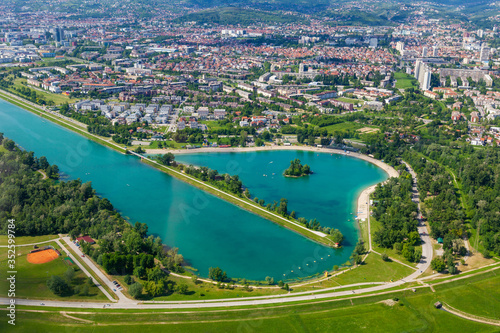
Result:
[{"x": 128, "y": 185}]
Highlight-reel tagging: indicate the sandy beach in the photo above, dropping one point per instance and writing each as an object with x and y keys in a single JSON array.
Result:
[{"x": 364, "y": 197}]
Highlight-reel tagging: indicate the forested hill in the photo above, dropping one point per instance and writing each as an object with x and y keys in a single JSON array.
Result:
[
  {"x": 44, "y": 206},
  {"x": 237, "y": 15},
  {"x": 304, "y": 6}
]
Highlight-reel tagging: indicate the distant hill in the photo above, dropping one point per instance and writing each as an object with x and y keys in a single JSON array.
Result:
[
  {"x": 236, "y": 15},
  {"x": 300, "y": 6}
]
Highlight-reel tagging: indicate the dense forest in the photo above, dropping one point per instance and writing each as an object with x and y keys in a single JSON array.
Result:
[
  {"x": 41, "y": 205},
  {"x": 476, "y": 201},
  {"x": 458, "y": 185},
  {"x": 397, "y": 214}
]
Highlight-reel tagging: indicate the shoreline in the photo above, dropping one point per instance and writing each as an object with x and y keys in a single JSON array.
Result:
[{"x": 363, "y": 198}]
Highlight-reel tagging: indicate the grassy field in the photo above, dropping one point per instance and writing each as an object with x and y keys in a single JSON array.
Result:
[
  {"x": 478, "y": 291},
  {"x": 27, "y": 239},
  {"x": 58, "y": 99},
  {"x": 32, "y": 278},
  {"x": 350, "y": 100},
  {"x": 374, "y": 270},
  {"x": 404, "y": 81},
  {"x": 375, "y": 226},
  {"x": 342, "y": 127},
  {"x": 171, "y": 144},
  {"x": 401, "y": 311}
]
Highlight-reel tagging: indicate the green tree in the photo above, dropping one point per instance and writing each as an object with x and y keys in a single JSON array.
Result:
[
  {"x": 57, "y": 285},
  {"x": 217, "y": 274},
  {"x": 156, "y": 274},
  {"x": 182, "y": 288},
  {"x": 8, "y": 144},
  {"x": 360, "y": 248},
  {"x": 438, "y": 264},
  {"x": 69, "y": 274},
  {"x": 408, "y": 252},
  {"x": 43, "y": 163},
  {"x": 356, "y": 259},
  {"x": 85, "y": 290},
  {"x": 336, "y": 236},
  {"x": 269, "y": 280},
  {"x": 128, "y": 279},
  {"x": 140, "y": 272},
  {"x": 135, "y": 290}
]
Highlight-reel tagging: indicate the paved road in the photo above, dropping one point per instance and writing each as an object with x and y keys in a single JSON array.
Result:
[
  {"x": 427, "y": 250},
  {"x": 84, "y": 270},
  {"x": 47, "y": 241},
  {"x": 121, "y": 297},
  {"x": 210, "y": 303}
]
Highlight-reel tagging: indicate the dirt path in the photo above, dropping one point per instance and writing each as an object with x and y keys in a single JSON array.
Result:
[
  {"x": 76, "y": 318},
  {"x": 469, "y": 316},
  {"x": 44, "y": 175}
]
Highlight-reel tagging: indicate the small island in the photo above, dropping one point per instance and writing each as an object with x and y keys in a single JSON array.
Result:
[{"x": 296, "y": 169}]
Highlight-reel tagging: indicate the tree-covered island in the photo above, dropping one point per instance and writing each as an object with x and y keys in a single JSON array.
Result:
[{"x": 296, "y": 169}]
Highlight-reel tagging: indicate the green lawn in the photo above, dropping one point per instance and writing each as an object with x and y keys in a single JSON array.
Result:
[
  {"x": 171, "y": 144},
  {"x": 58, "y": 99},
  {"x": 374, "y": 270},
  {"x": 32, "y": 278},
  {"x": 27, "y": 239},
  {"x": 375, "y": 226},
  {"x": 342, "y": 127},
  {"x": 350, "y": 100},
  {"x": 404, "y": 80},
  {"x": 413, "y": 312},
  {"x": 480, "y": 297}
]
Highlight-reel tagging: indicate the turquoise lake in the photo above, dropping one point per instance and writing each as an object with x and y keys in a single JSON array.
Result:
[{"x": 208, "y": 231}]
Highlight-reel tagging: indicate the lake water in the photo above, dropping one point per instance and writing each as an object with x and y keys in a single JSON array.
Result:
[{"x": 208, "y": 231}]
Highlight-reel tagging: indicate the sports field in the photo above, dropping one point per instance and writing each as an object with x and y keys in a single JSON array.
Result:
[
  {"x": 42, "y": 257},
  {"x": 32, "y": 277}
]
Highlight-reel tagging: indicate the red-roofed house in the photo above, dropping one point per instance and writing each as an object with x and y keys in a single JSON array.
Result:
[{"x": 87, "y": 239}]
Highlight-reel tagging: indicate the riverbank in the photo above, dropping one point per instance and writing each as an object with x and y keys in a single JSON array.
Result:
[{"x": 59, "y": 119}]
